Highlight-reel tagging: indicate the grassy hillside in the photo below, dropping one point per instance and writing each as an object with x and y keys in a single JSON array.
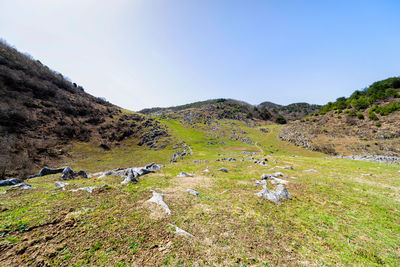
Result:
[{"x": 344, "y": 213}]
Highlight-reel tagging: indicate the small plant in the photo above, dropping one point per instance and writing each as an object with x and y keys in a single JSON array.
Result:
[
  {"x": 360, "y": 116},
  {"x": 378, "y": 124}
]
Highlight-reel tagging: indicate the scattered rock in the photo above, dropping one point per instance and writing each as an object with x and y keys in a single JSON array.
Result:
[
  {"x": 153, "y": 167},
  {"x": 180, "y": 231},
  {"x": 310, "y": 170},
  {"x": 265, "y": 176},
  {"x": 9, "y": 182},
  {"x": 48, "y": 171},
  {"x": 60, "y": 184},
  {"x": 22, "y": 186},
  {"x": 158, "y": 199},
  {"x": 82, "y": 173},
  {"x": 223, "y": 170},
  {"x": 275, "y": 196},
  {"x": 287, "y": 167},
  {"x": 184, "y": 174},
  {"x": 68, "y": 174},
  {"x": 193, "y": 192},
  {"x": 206, "y": 170},
  {"x": 88, "y": 189},
  {"x": 278, "y": 181},
  {"x": 277, "y": 174},
  {"x": 131, "y": 177},
  {"x": 260, "y": 182}
]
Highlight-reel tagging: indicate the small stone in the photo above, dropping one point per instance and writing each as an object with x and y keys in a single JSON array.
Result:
[
  {"x": 260, "y": 182},
  {"x": 223, "y": 170},
  {"x": 310, "y": 170},
  {"x": 180, "y": 231},
  {"x": 193, "y": 192},
  {"x": 60, "y": 184},
  {"x": 82, "y": 173},
  {"x": 22, "y": 186},
  {"x": 184, "y": 174},
  {"x": 277, "y": 174},
  {"x": 87, "y": 189}
]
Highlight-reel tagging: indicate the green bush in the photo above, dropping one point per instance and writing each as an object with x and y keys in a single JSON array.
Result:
[
  {"x": 280, "y": 120},
  {"x": 360, "y": 116},
  {"x": 372, "y": 116},
  {"x": 378, "y": 124}
]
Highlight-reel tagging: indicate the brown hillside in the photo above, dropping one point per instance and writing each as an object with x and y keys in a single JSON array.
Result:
[{"x": 41, "y": 112}]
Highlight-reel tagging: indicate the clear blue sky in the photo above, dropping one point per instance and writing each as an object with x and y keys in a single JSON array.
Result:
[{"x": 146, "y": 53}]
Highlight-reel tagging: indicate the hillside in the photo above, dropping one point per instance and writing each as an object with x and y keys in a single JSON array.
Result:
[
  {"x": 234, "y": 109},
  {"x": 291, "y": 112},
  {"x": 366, "y": 123},
  {"x": 41, "y": 112},
  {"x": 341, "y": 212},
  {"x": 204, "y": 184}
]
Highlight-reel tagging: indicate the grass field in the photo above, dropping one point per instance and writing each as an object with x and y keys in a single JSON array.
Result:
[{"x": 345, "y": 213}]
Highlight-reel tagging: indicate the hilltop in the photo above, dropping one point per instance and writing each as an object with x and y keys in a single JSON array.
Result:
[
  {"x": 233, "y": 109},
  {"x": 366, "y": 123}
]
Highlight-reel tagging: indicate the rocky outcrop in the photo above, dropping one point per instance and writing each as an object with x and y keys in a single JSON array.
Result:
[{"x": 9, "y": 182}]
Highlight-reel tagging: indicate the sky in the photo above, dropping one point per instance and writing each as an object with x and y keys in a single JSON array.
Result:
[{"x": 147, "y": 53}]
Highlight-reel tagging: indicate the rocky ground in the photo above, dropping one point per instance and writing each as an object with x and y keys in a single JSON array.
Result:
[
  {"x": 225, "y": 202},
  {"x": 339, "y": 134}
]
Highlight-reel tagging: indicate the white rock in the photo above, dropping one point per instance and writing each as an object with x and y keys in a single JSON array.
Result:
[
  {"x": 61, "y": 184},
  {"x": 180, "y": 231},
  {"x": 310, "y": 170},
  {"x": 184, "y": 174},
  {"x": 87, "y": 189},
  {"x": 193, "y": 192},
  {"x": 158, "y": 199}
]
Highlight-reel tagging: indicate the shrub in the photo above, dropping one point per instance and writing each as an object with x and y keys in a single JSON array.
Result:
[
  {"x": 378, "y": 124},
  {"x": 360, "y": 116},
  {"x": 372, "y": 116},
  {"x": 280, "y": 120}
]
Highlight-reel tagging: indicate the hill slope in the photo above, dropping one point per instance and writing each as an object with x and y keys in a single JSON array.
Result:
[
  {"x": 234, "y": 109},
  {"x": 366, "y": 123},
  {"x": 41, "y": 112}
]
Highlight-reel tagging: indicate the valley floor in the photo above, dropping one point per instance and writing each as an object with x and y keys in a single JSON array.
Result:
[{"x": 342, "y": 212}]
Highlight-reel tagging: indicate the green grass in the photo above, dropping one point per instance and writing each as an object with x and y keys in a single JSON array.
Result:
[{"x": 337, "y": 216}]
